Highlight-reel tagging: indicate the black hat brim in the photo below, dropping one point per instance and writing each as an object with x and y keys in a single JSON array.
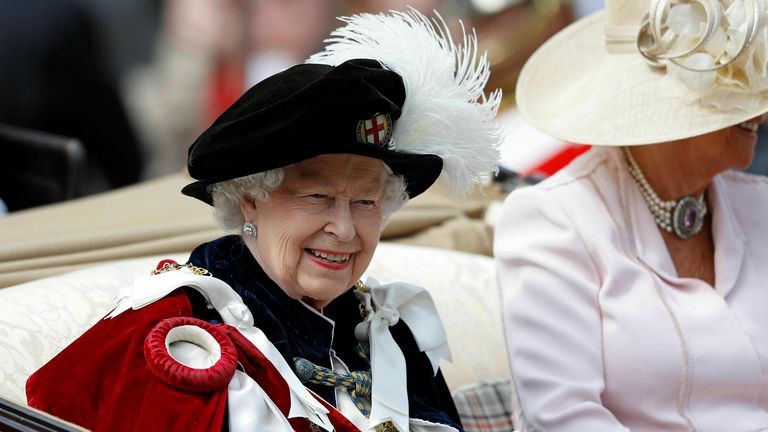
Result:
[
  {"x": 303, "y": 112},
  {"x": 420, "y": 171}
]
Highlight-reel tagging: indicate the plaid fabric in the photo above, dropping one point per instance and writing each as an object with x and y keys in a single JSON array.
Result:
[{"x": 485, "y": 406}]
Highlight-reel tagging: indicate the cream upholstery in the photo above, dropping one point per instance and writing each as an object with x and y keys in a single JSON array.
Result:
[
  {"x": 39, "y": 318},
  {"x": 167, "y": 222}
]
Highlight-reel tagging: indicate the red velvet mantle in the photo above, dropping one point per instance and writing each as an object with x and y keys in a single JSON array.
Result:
[{"x": 102, "y": 380}]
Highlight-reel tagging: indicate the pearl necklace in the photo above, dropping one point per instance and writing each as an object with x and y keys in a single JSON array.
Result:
[{"x": 683, "y": 217}]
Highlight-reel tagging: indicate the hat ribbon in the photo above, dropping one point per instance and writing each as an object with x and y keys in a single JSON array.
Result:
[
  {"x": 658, "y": 46},
  {"x": 620, "y": 38}
]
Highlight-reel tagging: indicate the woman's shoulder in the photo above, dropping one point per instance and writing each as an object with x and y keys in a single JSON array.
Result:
[
  {"x": 583, "y": 168},
  {"x": 576, "y": 182},
  {"x": 745, "y": 180},
  {"x": 581, "y": 208},
  {"x": 588, "y": 178},
  {"x": 747, "y": 195}
]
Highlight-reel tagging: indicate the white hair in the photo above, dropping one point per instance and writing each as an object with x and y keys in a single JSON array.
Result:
[{"x": 227, "y": 194}]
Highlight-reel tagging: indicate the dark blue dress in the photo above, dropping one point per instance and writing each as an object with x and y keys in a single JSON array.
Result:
[{"x": 298, "y": 332}]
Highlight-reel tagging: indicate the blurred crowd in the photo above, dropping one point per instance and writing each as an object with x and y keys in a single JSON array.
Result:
[{"x": 135, "y": 81}]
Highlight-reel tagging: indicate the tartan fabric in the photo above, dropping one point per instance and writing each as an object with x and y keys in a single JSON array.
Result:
[{"x": 485, "y": 406}]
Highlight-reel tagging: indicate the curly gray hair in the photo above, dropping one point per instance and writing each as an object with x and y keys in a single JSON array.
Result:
[{"x": 226, "y": 195}]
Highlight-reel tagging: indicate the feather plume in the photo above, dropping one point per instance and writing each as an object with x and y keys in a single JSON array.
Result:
[{"x": 446, "y": 112}]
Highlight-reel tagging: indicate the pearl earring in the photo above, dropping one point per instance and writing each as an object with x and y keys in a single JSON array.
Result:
[{"x": 249, "y": 229}]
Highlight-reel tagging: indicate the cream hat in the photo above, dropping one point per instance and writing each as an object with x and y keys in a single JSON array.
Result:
[{"x": 590, "y": 84}]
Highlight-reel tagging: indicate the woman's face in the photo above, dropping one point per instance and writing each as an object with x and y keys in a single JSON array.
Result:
[
  {"x": 319, "y": 228},
  {"x": 732, "y": 147}
]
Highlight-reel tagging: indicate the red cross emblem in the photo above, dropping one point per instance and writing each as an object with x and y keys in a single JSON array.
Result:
[{"x": 376, "y": 130}]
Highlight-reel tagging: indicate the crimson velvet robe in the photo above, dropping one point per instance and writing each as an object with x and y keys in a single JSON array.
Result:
[{"x": 102, "y": 381}]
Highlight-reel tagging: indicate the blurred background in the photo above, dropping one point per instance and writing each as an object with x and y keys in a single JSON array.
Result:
[{"x": 100, "y": 94}]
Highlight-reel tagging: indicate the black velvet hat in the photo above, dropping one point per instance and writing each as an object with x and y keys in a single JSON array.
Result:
[{"x": 307, "y": 111}]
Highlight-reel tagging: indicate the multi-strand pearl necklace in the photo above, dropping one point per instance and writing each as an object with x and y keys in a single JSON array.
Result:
[{"x": 683, "y": 217}]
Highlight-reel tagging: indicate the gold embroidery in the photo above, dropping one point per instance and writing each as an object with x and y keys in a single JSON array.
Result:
[
  {"x": 167, "y": 266},
  {"x": 386, "y": 427},
  {"x": 360, "y": 286}
]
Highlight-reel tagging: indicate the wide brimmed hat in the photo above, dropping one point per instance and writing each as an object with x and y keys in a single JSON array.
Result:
[
  {"x": 592, "y": 83},
  {"x": 391, "y": 87}
]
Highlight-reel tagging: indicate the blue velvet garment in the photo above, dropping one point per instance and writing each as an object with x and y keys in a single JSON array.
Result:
[{"x": 298, "y": 332}]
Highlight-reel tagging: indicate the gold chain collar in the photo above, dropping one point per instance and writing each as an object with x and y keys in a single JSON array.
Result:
[{"x": 168, "y": 265}]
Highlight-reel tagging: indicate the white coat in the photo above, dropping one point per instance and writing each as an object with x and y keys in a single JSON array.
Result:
[{"x": 603, "y": 335}]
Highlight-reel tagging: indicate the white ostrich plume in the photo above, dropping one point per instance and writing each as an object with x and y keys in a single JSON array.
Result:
[{"x": 446, "y": 112}]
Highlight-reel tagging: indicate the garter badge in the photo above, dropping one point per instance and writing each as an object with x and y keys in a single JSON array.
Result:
[{"x": 376, "y": 130}]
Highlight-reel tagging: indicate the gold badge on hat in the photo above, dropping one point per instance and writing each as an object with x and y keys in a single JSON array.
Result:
[{"x": 376, "y": 130}]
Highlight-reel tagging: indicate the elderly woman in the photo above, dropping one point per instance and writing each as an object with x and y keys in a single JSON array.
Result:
[
  {"x": 633, "y": 294},
  {"x": 271, "y": 329}
]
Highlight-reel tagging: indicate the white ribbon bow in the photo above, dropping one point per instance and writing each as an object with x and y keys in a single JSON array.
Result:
[
  {"x": 245, "y": 391},
  {"x": 385, "y": 306}
]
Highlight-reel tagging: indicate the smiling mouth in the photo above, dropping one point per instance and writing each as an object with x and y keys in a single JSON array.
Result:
[
  {"x": 749, "y": 126},
  {"x": 330, "y": 257}
]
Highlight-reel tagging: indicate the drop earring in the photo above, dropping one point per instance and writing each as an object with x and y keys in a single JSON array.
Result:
[{"x": 249, "y": 229}]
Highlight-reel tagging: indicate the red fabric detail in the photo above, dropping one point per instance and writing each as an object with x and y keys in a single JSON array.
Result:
[
  {"x": 258, "y": 367},
  {"x": 340, "y": 423},
  {"x": 102, "y": 380},
  {"x": 226, "y": 86},
  {"x": 557, "y": 161},
  {"x": 176, "y": 374},
  {"x": 164, "y": 262}
]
